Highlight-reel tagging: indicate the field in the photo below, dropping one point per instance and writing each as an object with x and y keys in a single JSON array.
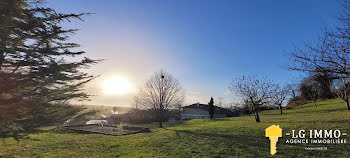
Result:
[{"x": 229, "y": 137}]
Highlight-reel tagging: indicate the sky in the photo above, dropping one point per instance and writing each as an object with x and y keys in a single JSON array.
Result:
[{"x": 203, "y": 43}]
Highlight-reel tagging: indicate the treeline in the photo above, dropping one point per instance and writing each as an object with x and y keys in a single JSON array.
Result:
[
  {"x": 327, "y": 65},
  {"x": 256, "y": 94},
  {"x": 329, "y": 57},
  {"x": 316, "y": 86}
]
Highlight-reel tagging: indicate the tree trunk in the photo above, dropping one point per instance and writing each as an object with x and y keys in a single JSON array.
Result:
[
  {"x": 347, "y": 104},
  {"x": 160, "y": 120},
  {"x": 280, "y": 107},
  {"x": 160, "y": 124},
  {"x": 160, "y": 117},
  {"x": 1, "y": 59},
  {"x": 257, "y": 119}
]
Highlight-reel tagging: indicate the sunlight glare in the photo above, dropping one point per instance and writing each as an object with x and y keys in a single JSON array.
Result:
[{"x": 116, "y": 85}]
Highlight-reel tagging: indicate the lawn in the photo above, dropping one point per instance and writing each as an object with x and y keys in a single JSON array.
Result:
[{"x": 229, "y": 137}]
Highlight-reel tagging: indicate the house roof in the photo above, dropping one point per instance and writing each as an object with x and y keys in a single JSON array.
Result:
[{"x": 217, "y": 110}]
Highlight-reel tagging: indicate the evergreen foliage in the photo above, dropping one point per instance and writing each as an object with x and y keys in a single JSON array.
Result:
[
  {"x": 38, "y": 64},
  {"x": 211, "y": 108}
]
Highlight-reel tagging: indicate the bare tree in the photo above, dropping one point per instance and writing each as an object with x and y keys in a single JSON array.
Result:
[
  {"x": 115, "y": 110},
  {"x": 330, "y": 55},
  {"x": 341, "y": 88},
  {"x": 310, "y": 89},
  {"x": 136, "y": 102},
  {"x": 160, "y": 93},
  {"x": 314, "y": 94},
  {"x": 255, "y": 92},
  {"x": 279, "y": 94},
  {"x": 233, "y": 104},
  {"x": 220, "y": 102}
]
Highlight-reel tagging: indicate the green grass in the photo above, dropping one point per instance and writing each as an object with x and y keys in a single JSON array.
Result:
[{"x": 229, "y": 137}]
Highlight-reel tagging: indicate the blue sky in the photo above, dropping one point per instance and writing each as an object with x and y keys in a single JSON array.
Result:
[{"x": 204, "y": 43}]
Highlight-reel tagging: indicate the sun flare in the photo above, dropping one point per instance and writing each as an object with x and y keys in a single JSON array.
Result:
[{"x": 116, "y": 85}]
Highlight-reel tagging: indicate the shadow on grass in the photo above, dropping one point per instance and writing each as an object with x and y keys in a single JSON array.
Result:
[
  {"x": 252, "y": 144},
  {"x": 220, "y": 119},
  {"x": 247, "y": 142}
]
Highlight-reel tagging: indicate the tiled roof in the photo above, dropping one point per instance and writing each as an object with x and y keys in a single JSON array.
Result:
[{"x": 217, "y": 110}]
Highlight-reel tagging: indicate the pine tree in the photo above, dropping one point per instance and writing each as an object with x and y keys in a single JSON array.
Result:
[
  {"x": 34, "y": 52},
  {"x": 37, "y": 63},
  {"x": 211, "y": 108}
]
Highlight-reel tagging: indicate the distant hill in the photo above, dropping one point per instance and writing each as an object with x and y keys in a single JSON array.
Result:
[
  {"x": 95, "y": 112},
  {"x": 107, "y": 110}
]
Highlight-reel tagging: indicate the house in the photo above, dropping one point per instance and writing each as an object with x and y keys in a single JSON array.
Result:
[
  {"x": 97, "y": 122},
  {"x": 201, "y": 111}
]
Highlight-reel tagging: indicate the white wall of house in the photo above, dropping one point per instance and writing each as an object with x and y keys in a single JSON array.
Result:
[
  {"x": 196, "y": 113},
  {"x": 97, "y": 122},
  {"x": 194, "y": 116}
]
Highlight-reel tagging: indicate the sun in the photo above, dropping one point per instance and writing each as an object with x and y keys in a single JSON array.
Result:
[{"x": 116, "y": 85}]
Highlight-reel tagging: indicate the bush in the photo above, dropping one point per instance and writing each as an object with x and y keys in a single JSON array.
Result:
[{"x": 295, "y": 101}]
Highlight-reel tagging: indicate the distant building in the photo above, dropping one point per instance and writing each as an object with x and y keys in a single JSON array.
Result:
[
  {"x": 97, "y": 122},
  {"x": 201, "y": 111}
]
